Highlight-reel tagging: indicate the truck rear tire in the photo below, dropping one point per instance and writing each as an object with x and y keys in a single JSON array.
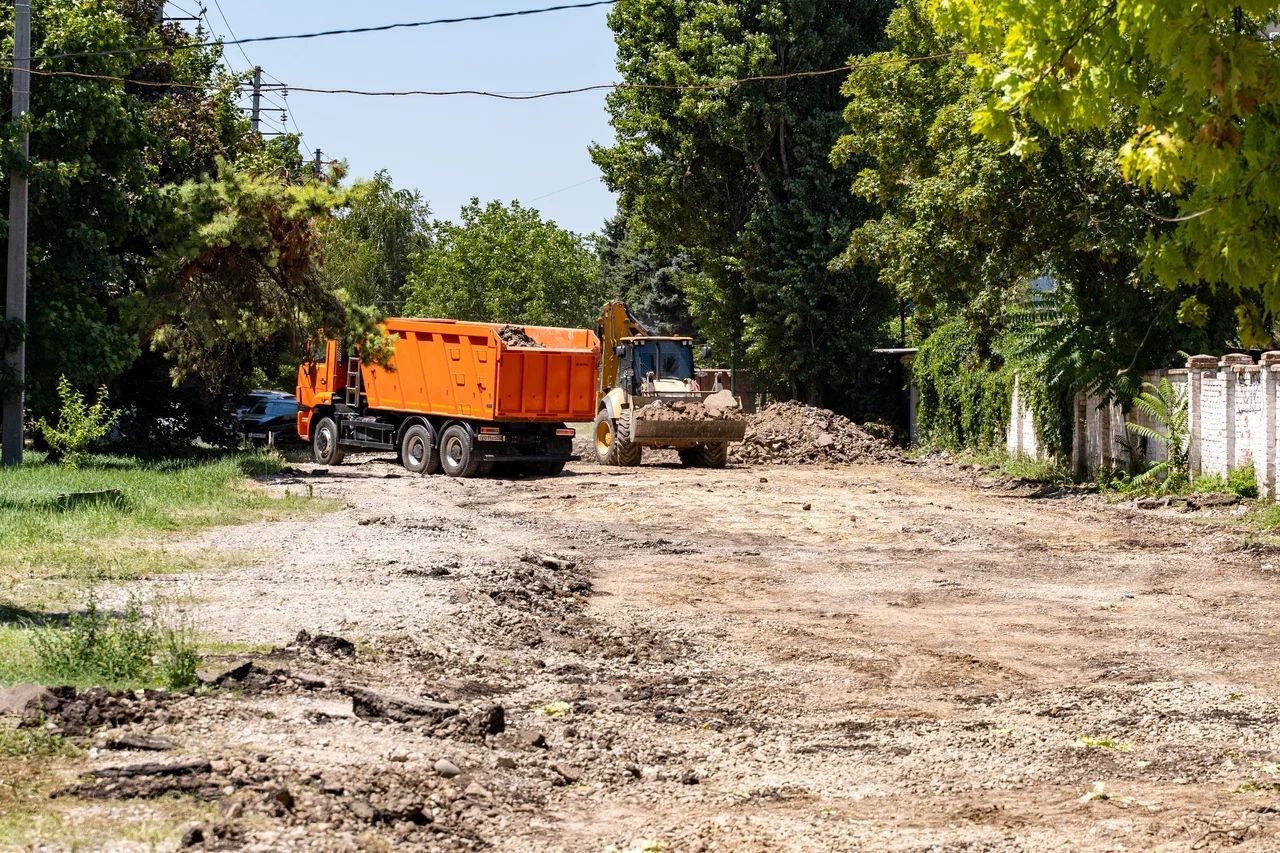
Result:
[
  {"x": 418, "y": 451},
  {"x": 458, "y": 455},
  {"x": 324, "y": 443},
  {"x": 613, "y": 442}
]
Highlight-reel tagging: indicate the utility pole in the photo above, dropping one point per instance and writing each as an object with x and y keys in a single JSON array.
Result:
[
  {"x": 16, "y": 272},
  {"x": 319, "y": 163},
  {"x": 257, "y": 100}
]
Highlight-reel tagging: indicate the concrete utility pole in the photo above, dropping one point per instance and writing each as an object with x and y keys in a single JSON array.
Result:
[
  {"x": 11, "y": 440},
  {"x": 319, "y": 163},
  {"x": 257, "y": 100}
]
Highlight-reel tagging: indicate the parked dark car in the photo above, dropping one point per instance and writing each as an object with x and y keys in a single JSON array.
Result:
[
  {"x": 253, "y": 398},
  {"x": 271, "y": 421}
]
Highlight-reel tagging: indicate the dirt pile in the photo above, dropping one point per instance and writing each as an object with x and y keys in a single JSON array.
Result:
[
  {"x": 516, "y": 336},
  {"x": 719, "y": 406},
  {"x": 796, "y": 434}
]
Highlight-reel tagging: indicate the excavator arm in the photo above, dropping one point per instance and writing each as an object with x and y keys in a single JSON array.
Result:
[{"x": 616, "y": 323}]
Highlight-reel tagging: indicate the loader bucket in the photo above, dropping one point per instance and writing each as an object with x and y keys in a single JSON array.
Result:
[{"x": 687, "y": 432}]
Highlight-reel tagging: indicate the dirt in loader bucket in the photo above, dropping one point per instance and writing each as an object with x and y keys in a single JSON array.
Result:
[
  {"x": 516, "y": 336},
  {"x": 719, "y": 406}
]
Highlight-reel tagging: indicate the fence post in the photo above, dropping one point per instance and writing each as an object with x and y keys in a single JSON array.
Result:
[
  {"x": 1266, "y": 466},
  {"x": 1196, "y": 365}
]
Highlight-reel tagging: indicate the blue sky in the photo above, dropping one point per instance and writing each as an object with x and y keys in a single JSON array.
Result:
[{"x": 452, "y": 148}]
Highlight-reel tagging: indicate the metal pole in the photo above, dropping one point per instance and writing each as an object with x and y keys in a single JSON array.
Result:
[
  {"x": 11, "y": 439},
  {"x": 257, "y": 99},
  {"x": 319, "y": 163}
]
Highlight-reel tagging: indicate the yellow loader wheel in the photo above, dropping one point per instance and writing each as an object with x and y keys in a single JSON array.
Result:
[{"x": 613, "y": 442}]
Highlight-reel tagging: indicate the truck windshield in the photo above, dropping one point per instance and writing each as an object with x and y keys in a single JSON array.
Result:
[{"x": 664, "y": 359}]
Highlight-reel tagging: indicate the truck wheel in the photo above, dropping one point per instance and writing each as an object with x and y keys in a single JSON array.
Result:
[
  {"x": 713, "y": 455},
  {"x": 324, "y": 443},
  {"x": 690, "y": 457},
  {"x": 458, "y": 455},
  {"x": 418, "y": 452},
  {"x": 613, "y": 442},
  {"x": 546, "y": 469}
]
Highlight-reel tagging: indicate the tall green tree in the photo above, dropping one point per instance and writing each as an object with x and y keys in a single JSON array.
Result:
[
  {"x": 651, "y": 278},
  {"x": 369, "y": 246},
  {"x": 144, "y": 271},
  {"x": 505, "y": 263},
  {"x": 965, "y": 229},
  {"x": 740, "y": 175},
  {"x": 1195, "y": 84}
]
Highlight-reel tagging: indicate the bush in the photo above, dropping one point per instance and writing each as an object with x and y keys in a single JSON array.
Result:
[
  {"x": 1243, "y": 482},
  {"x": 131, "y": 650},
  {"x": 964, "y": 400},
  {"x": 80, "y": 426}
]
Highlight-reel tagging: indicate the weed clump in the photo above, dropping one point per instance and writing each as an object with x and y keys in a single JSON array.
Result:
[{"x": 128, "y": 650}]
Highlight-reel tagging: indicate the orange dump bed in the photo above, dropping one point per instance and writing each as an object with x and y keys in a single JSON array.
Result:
[{"x": 443, "y": 367}]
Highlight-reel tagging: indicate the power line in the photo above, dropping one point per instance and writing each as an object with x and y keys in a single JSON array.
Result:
[
  {"x": 230, "y": 32},
  {"x": 529, "y": 96},
  {"x": 325, "y": 33}
]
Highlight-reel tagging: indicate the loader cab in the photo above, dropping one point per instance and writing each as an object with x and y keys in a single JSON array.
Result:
[{"x": 669, "y": 361}]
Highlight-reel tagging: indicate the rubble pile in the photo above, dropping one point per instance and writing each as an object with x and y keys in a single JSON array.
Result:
[
  {"x": 796, "y": 434},
  {"x": 719, "y": 406},
  {"x": 516, "y": 336}
]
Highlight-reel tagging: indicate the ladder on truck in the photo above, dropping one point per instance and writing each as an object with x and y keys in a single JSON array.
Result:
[{"x": 353, "y": 382}]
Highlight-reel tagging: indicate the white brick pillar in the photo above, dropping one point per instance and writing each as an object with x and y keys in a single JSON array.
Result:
[
  {"x": 1230, "y": 379},
  {"x": 1266, "y": 466},
  {"x": 1196, "y": 367}
]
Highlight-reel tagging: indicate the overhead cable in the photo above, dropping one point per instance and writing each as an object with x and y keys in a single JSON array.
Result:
[{"x": 381, "y": 28}]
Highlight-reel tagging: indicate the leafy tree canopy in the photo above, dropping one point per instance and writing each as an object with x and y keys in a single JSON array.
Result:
[
  {"x": 168, "y": 242},
  {"x": 1194, "y": 85},
  {"x": 739, "y": 174},
  {"x": 636, "y": 268},
  {"x": 368, "y": 247},
  {"x": 505, "y": 263}
]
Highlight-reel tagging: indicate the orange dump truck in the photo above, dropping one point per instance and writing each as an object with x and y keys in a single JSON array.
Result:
[{"x": 456, "y": 397}]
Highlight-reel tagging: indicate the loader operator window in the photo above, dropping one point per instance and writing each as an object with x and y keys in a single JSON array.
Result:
[{"x": 664, "y": 359}]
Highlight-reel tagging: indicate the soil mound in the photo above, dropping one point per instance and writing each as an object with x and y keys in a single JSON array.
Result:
[
  {"x": 516, "y": 336},
  {"x": 796, "y": 434}
]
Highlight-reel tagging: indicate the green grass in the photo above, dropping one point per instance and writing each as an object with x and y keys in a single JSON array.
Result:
[
  {"x": 33, "y": 743},
  {"x": 126, "y": 650},
  {"x": 49, "y": 548},
  {"x": 1018, "y": 466}
]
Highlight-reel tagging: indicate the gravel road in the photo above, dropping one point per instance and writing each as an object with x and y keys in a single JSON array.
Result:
[{"x": 888, "y": 657}]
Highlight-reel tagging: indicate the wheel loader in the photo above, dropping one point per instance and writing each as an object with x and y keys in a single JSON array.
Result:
[{"x": 638, "y": 369}]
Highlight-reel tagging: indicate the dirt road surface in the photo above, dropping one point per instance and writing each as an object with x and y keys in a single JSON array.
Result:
[{"x": 890, "y": 657}]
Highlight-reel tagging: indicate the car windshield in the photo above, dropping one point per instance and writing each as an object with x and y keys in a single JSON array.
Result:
[
  {"x": 665, "y": 360},
  {"x": 258, "y": 409}
]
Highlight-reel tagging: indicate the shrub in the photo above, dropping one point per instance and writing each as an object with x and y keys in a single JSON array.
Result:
[
  {"x": 964, "y": 401},
  {"x": 80, "y": 426},
  {"x": 1167, "y": 406},
  {"x": 1243, "y": 481},
  {"x": 115, "y": 651}
]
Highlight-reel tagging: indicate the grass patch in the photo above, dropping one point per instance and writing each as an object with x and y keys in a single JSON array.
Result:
[
  {"x": 1018, "y": 466},
  {"x": 93, "y": 648},
  {"x": 1085, "y": 742},
  {"x": 33, "y": 743},
  {"x": 48, "y": 543}
]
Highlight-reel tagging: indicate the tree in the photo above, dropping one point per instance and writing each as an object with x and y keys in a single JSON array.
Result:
[
  {"x": 649, "y": 277},
  {"x": 368, "y": 247},
  {"x": 167, "y": 239},
  {"x": 965, "y": 229},
  {"x": 739, "y": 174},
  {"x": 505, "y": 263},
  {"x": 1195, "y": 86}
]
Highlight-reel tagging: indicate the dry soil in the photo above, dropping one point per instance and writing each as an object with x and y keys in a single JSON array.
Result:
[{"x": 882, "y": 657}]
